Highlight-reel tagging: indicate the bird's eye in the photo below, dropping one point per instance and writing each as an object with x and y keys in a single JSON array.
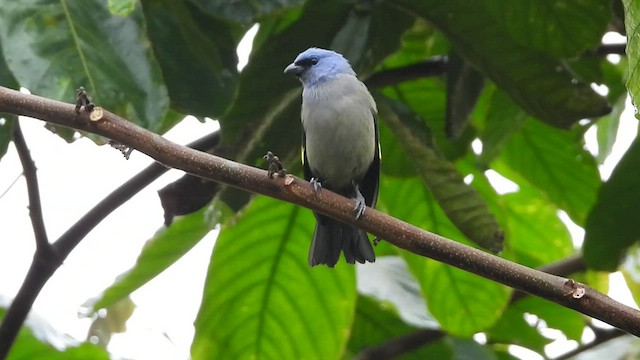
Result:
[{"x": 313, "y": 61}]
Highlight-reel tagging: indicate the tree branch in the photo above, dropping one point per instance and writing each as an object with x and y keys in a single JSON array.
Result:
[
  {"x": 297, "y": 191},
  {"x": 31, "y": 177},
  {"x": 431, "y": 67},
  {"x": 40, "y": 271}
]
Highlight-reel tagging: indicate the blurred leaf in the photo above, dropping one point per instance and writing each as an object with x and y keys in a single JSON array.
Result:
[
  {"x": 631, "y": 272},
  {"x": 122, "y": 7},
  {"x": 607, "y": 126},
  {"x": 521, "y": 56},
  {"x": 613, "y": 226},
  {"x": 501, "y": 118},
  {"x": 463, "y": 303},
  {"x": 180, "y": 35},
  {"x": 28, "y": 347},
  {"x": 245, "y": 12},
  {"x": 632, "y": 22},
  {"x": 113, "y": 322},
  {"x": 469, "y": 349},
  {"x": 376, "y": 323},
  {"x": 513, "y": 329},
  {"x": 461, "y": 203},
  {"x": 160, "y": 252},
  {"x": 464, "y": 85},
  {"x": 261, "y": 299},
  {"x": 6, "y": 120},
  {"x": 53, "y": 49},
  {"x": 555, "y": 162}
]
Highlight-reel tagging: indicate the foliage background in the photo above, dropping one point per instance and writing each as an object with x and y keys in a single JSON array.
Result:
[{"x": 518, "y": 79}]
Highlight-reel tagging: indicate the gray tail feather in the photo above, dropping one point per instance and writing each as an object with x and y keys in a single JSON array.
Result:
[{"x": 332, "y": 236}]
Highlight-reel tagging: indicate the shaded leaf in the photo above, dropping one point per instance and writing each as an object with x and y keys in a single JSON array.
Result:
[
  {"x": 245, "y": 12},
  {"x": 555, "y": 162},
  {"x": 469, "y": 349},
  {"x": 463, "y": 303},
  {"x": 534, "y": 78},
  {"x": 197, "y": 55},
  {"x": 462, "y": 204},
  {"x": 613, "y": 226},
  {"x": 464, "y": 85},
  {"x": 53, "y": 49},
  {"x": 6, "y": 120},
  {"x": 261, "y": 299},
  {"x": 165, "y": 248}
]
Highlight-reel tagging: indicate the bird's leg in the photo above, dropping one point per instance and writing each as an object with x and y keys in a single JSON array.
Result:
[
  {"x": 361, "y": 205},
  {"x": 317, "y": 185}
]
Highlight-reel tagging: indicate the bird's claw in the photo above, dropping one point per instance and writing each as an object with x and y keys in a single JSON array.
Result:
[
  {"x": 361, "y": 206},
  {"x": 317, "y": 185}
]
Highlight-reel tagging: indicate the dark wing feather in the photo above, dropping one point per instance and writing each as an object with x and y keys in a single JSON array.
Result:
[{"x": 369, "y": 184}]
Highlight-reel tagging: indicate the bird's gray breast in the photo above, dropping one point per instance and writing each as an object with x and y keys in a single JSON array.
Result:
[{"x": 337, "y": 117}]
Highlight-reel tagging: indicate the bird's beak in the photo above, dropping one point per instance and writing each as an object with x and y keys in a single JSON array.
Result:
[{"x": 294, "y": 69}]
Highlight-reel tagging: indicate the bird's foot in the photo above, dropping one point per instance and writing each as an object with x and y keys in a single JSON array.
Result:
[
  {"x": 317, "y": 185},
  {"x": 361, "y": 205}
]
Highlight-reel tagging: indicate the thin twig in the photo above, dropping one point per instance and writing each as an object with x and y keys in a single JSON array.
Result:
[
  {"x": 431, "y": 67},
  {"x": 31, "y": 177}
]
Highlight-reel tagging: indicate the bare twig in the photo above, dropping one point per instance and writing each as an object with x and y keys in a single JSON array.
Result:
[
  {"x": 31, "y": 177},
  {"x": 40, "y": 272},
  {"x": 430, "y": 67},
  {"x": 551, "y": 287}
]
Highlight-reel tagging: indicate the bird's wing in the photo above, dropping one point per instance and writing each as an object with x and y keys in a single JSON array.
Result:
[
  {"x": 305, "y": 163},
  {"x": 370, "y": 181}
]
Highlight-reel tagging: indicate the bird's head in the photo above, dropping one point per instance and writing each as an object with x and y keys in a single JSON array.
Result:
[{"x": 315, "y": 65}]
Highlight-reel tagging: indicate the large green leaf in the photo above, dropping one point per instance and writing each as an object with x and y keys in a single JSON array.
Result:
[
  {"x": 461, "y": 203},
  {"x": 555, "y": 162},
  {"x": 160, "y": 252},
  {"x": 376, "y": 323},
  {"x": 261, "y": 299},
  {"x": 463, "y": 303},
  {"x": 612, "y": 225},
  {"x": 181, "y": 34},
  {"x": 522, "y": 56},
  {"x": 53, "y": 47}
]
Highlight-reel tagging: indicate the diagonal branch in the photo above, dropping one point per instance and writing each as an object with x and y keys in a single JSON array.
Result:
[
  {"x": 563, "y": 291},
  {"x": 40, "y": 272}
]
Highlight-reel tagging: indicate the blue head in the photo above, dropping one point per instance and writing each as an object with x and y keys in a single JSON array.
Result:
[{"x": 316, "y": 65}]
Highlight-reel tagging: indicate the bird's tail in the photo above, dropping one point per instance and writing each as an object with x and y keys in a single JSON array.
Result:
[{"x": 331, "y": 236}]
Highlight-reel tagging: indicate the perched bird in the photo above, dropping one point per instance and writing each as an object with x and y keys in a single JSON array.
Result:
[{"x": 340, "y": 149}]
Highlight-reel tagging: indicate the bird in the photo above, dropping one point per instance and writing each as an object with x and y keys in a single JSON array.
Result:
[{"x": 340, "y": 149}]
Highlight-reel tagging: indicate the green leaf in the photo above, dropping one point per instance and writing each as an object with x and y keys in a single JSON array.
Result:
[
  {"x": 463, "y": 303},
  {"x": 181, "y": 34},
  {"x": 469, "y": 349},
  {"x": 462, "y": 204},
  {"x": 464, "y": 85},
  {"x": 522, "y": 58},
  {"x": 376, "y": 323},
  {"x": 55, "y": 47},
  {"x": 501, "y": 118},
  {"x": 245, "y": 12},
  {"x": 160, "y": 252},
  {"x": 27, "y": 346},
  {"x": 261, "y": 299},
  {"x": 555, "y": 162},
  {"x": 632, "y": 24},
  {"x": 6, "y": 120},
  {"x": 613, "y": 226},
  {"x": 122, "y": 7}
]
